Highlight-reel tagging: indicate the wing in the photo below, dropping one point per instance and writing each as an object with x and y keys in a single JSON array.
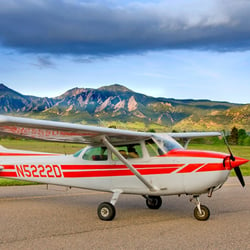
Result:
[
  {"x": 65, "y": 132},
  {"x": 77, "y": 133}
]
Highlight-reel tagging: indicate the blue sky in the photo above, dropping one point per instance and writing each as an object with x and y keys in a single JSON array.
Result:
[{"x": 175, "y": 49}]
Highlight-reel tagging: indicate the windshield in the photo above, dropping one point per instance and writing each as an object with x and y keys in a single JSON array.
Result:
[
  {"x": 78, "y": 153},
  {"x": 168, "y": 143}
]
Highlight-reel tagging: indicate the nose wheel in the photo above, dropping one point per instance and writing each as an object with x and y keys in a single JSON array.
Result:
[{"x": 201, "y": 212}]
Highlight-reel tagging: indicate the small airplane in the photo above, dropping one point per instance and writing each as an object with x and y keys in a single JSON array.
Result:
[{"x": 119, "y": 162}]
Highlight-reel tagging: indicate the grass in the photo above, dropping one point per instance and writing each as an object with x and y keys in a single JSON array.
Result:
[
  {"x": 9, "y": 182},
  {"x": 66, "y": 148},
  {"x": 41, "y": 146}
]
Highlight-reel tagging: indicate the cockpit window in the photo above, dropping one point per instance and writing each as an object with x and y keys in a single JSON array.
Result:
[
  {"x": 152, "y": 148},
  {"x": 129, "y": 151},
  {"x": 96, "y": 154}
]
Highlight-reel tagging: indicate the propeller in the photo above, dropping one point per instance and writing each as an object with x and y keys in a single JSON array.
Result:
[
  {"x": 239, "y": 175},
  {"x": 232, "y": 158}
]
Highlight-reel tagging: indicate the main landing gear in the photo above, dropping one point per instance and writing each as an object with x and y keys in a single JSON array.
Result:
[
  {"x": 106, "y": 210},
  {"x": 201, "y": 212},
  {"x": 153, "y": 202}
]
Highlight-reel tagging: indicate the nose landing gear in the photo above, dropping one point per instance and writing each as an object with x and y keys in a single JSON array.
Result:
[{"x": 201, "y": 212}]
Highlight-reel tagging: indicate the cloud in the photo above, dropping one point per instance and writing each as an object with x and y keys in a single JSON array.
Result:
[
  {"x": 43, "y": 62},
  {"x": 95, "y": 28}
]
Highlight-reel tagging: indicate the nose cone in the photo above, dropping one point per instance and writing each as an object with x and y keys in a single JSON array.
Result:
[{"x": 238, "y": 161}]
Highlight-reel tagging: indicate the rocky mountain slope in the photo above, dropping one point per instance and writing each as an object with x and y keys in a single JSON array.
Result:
[
  {"x": 116, "y": 105},
  {"x": 14, "y": 102}
]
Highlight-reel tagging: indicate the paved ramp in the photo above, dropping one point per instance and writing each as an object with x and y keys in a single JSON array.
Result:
[{"x": 32, "y": 217}]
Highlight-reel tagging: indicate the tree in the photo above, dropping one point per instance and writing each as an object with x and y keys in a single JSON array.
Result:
[
  {"x": 234, "y": 137},
  {"x": 242, "y": 135},
  {"x": 247, "y": 141},
  {"x": 151, "y": 130}
]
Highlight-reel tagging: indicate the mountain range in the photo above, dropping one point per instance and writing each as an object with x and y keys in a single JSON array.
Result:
[{"x": 116, "y": 105}]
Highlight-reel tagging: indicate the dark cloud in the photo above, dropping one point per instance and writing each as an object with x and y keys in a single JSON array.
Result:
[
  {"x": 98, "y": 28},
  {"x": 44, "y": 62}
]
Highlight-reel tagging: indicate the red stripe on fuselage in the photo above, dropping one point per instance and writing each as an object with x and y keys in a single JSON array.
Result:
[
  {"x": 72, "y": 171},
  {"x": 91, "y": 167},
  {"x": 117, "y": 172},
  {"x": 212, "y": 167},
  {"x": 190, "y": 168},
  {"x": 8, "y": 174},
  {"x": 168, "y": 170},
  {"x": 112, "y": 166},
  {"x": 80, "y": 174},
  {"x": 8, "y": 167},
  {"x": 25, "y": 154}
]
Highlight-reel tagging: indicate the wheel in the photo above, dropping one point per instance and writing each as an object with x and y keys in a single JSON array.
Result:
[
  {"x": 204, "y": 215},
  {"x": 154, "y": 202},
  {"x": 106, "y": 211}
]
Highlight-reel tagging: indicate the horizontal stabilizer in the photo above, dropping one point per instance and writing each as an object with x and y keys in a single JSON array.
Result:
[
  {"x": 193, "y": 135},
  {"x": 186, "y": 137}
]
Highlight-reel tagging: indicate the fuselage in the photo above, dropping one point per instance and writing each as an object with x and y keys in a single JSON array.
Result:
[{"x": 178, "y": 171}]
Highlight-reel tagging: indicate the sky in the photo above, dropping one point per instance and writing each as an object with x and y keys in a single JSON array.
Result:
[{"x": 183, "y": 49}]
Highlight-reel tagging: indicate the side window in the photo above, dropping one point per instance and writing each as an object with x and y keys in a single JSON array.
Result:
[
  {"x": 129, "y": 151},
  {"x": 152, "y": 148},
  {"x": 96, "y": 154}
]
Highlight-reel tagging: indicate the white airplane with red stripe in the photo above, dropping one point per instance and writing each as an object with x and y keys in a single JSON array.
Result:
[{"x": 119, "y": 162}]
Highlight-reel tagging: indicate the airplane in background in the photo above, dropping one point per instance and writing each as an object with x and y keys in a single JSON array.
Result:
[{"x": 120, "y": 162}]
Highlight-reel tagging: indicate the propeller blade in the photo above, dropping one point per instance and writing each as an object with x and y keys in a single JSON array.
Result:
[
  {"x": 228, "y": 147},
  {"x": 239, "y": 175},
  {"x": 237, "y": 161}
]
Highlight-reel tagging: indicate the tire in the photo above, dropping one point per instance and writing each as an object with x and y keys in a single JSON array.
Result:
[
  {"x": 154, "y": 202},
  {"x": 205, "y": 213},
  {"x": 106, "y": 211}
]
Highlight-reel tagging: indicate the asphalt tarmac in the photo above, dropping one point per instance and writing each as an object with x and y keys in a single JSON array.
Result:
[{"x": 34, "y": 217}]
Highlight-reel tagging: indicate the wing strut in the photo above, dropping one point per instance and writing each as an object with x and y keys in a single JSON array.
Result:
[
  {"x": 186, "y": 141},
  {"x": 128, "y": 165}
]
